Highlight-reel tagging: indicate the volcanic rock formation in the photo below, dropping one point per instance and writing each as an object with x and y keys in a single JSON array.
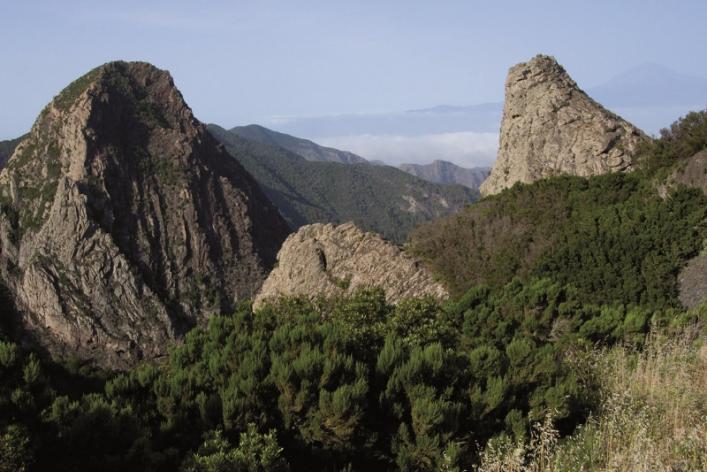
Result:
[
  {"x": 551, "y": 127},
  {"x": 123, "y": 222},
  {"x": 328, "y": 260}
]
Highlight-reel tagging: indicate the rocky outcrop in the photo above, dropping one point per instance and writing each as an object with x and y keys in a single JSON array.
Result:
[
  {"x": 691, "y": 172},
  {"x": 124, "y": 222},
  {"x": 692, "y": 282},
  {"x": 551, "y": 127},
  {"x": 328, "y": 260}
]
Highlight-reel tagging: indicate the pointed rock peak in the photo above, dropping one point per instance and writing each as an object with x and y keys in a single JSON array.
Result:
[
  {"x": 551, "y": 127},
  {"x": 123, "y": 222}
]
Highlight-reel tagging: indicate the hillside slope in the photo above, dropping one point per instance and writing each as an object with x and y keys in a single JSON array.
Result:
[
  {"x": 443, "y": 172},
  {"x": 622, "y": 236},
  {"x": 376, "y": 198},
  {"x": 302, "y": 147}
]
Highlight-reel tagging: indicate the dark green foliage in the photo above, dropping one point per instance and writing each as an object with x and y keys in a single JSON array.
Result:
[
  {"x": 329, "y": 384},
  {"x": 376, "y": 198},
  {"x": 680, "y": 141},
  {"x": 611, "y": 236},
  {"x": 255, "y": 453}
]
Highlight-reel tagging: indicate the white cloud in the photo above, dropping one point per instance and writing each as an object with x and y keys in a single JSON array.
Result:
[{"x": 467, "y": 149}]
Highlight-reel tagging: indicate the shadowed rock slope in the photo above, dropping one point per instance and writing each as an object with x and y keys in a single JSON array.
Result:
[
  {"x": 551, "y": 127},
  {"x": 6, "y": 150},
  {"x": 333, "y": 260},
  {"x": 124, "y": 222}
]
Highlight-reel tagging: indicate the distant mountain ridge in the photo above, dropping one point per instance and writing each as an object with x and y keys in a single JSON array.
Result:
[
  {"x": 302, "y": 147},
  {"x": 444, "y": 172},
  {"x": 376, "y": 198},
  {"x": 651, "y": 85}
]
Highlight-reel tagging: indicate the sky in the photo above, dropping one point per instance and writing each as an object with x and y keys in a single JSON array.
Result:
[{"x": 251, "y": 62}]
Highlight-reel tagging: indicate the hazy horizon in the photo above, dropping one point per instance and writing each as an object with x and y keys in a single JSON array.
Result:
[{"x": 239, "y": 63}]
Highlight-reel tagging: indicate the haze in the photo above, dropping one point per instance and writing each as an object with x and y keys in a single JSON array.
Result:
[{"x": 282, "y": 64}]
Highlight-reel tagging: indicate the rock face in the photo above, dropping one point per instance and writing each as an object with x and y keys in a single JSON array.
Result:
[
  {"x": 443, "y": 172},
  {"x": 691, "y": 173},
  {"x": 551, "y": 127},
  {"x": 323, "y": 259},
  {"x": 692, "y": 282},
  {"x": 124, "y": 222},
  {"x": 6, "y": 150}
]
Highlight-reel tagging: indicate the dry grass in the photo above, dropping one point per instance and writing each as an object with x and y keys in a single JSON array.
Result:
[{"x": 653, "y": 416}]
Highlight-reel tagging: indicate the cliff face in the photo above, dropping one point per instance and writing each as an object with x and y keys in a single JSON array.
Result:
[
  {"x": 123, "y": 221},
  {"x": 327, "y": 260},
  {"x": 551, "y": 127}
]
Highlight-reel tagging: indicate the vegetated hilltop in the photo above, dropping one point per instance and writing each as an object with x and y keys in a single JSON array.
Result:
[
  {"x": 622, "y": 236},
  {"x": 123, "y": 221},
  {"x": 326, "y": 260},
  {"x": 376, "y": 198},
  {"x": 302, "y": 147},
  {"x": 550, "y": 127},
  {"x": 443, "y": 172}
]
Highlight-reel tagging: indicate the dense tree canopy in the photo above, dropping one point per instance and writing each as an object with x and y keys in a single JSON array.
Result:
[{"x": 326, "y": 384}]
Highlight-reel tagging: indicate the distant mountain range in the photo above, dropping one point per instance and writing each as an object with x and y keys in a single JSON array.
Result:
[
  {"x": 444, "y": 172},
  {"x": 652, "y": 85},
  {"x": 303, "y": 147},
  {"x": 438, "y": 171},
  {"x": 375, "y": 197}
]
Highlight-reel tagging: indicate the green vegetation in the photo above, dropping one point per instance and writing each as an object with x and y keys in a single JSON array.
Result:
[
  {"x": 329, "y": 384},
  {"x": 652, "y": 415},
  {"x": 371, "y": 196},
  {"x": 680, "y": 141},
  {"x": 612, "y": 237}
]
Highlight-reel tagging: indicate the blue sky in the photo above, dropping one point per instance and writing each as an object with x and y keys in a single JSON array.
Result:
[{"x": 243, "y": 62}]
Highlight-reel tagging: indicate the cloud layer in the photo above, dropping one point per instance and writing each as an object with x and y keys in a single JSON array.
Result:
[{"x": 467, "y": 149}]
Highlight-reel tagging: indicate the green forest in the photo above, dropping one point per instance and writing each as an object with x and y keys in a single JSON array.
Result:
[{"x": 542, "y": 276}]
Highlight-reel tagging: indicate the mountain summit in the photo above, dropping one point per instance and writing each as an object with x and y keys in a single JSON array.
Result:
[
  {"x": 551, "y": 127},
  {"x": 123, "y": 220}
]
